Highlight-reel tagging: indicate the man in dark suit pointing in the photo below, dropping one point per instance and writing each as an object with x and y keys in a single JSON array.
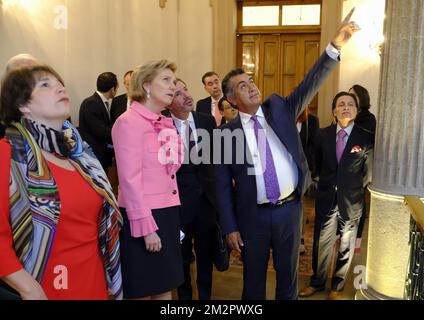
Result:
[{"x": 259, "y": 199}]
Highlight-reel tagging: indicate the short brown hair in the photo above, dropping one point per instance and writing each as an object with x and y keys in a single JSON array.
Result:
[
  {"x": 208, "y": 74},
  {"x": 16, "y": 90},
  {"x": 145, "y": 74}
]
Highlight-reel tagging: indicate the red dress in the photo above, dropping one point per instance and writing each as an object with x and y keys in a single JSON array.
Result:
[{"x": 75, "y": 268}]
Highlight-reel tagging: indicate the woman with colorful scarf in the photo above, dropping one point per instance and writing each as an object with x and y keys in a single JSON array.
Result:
[
  {"x": 59, "y": 222},
  {"x": 148, "y": 153}
]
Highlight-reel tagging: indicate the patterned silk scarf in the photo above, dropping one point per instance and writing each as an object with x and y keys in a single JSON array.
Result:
[{"x": 35, "y": 202}]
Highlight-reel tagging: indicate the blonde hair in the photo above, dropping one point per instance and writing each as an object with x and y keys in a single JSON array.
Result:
[{"x": 145, "y": 74}]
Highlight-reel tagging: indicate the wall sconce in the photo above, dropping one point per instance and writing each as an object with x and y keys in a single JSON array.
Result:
[
  {"x": 375, "y": 35},
  {"x": 377, "y": 46},
  {"x": 371, "y": 34}
]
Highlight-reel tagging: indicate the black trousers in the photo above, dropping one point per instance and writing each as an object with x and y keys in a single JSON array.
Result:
[
  {"x": 325, "y": 235},
  {"x": 277, "y": 228},
  {"x": 201, "y": 230}
]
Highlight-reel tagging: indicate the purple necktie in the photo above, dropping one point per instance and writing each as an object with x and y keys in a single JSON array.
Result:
[
  {"x": 270, "y": 175},
  {"x": 191, "y": 141},
  {"x": 340, "y": 144}
]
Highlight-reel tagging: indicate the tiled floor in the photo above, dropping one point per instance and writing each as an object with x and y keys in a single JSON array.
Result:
[{"x": 228, "y": 285}]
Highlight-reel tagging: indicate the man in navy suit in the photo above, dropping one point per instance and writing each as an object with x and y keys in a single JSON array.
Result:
[
  {"x": 259, "y": 187},
  {"x": 95, "y": 124},
  {"x": 209, "y": 105},
  {"x": 197, "y": 192},
  {"x": 343, "y": 156}
]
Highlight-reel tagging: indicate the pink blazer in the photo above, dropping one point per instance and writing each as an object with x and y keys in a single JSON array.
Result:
[{"x": 148, "y": 153}]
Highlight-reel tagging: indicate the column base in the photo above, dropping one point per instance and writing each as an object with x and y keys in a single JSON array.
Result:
[
  {"x": 371, "y": 294},
  {"x": 388, "y": 247}
]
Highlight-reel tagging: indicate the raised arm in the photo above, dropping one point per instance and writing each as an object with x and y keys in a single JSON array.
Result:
[
  {"x": 345, "y": 32},
  {"x": 325, "y": 64}
]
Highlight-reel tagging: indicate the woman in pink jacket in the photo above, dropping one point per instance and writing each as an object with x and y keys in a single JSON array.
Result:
[{"x": 148, "y": 153}]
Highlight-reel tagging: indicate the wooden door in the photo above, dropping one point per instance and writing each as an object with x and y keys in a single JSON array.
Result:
[
  {"x": 310, "y": 53},
  {"x": 298, "y": 54},
  {"x": 269, "y": 48},
  {"x": 290, "y": 63},
  {"x": 279, "y": 62},
  {"x": 249, "y": 58}
]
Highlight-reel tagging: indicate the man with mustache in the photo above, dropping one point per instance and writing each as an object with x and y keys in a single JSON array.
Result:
[
  {"x": 259, "y": 199},
  {"x": 197, "y": 191}
]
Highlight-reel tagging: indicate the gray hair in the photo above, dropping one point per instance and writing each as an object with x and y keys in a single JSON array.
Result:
[{"x": 20, "y": 60}]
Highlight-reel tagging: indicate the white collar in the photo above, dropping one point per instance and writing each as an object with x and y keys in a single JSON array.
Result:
[
  {"x": 245, "y": 117},
  {"x": 102, "y": 97},
  {"x": 213, "y": 100},
  {"x": 179, "y": 122},
  {"x": 348, "y": 129}
]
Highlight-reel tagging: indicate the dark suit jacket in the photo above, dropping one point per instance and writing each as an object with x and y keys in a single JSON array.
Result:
[
  {"x": 346, "y": 179},
  {"x": 307, "y": 134},
  {"x": 238, "y": 213},
  {"x": 195, "y": 180},
  {"x": 95, "y": 128},
  {"x": 204, "y": 106},
  {"x": 118, "y": 107}
]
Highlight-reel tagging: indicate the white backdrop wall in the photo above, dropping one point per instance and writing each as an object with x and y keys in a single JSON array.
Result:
[
  {"x": 82, "y": 38},
  {"x": 360, "y": 61}
]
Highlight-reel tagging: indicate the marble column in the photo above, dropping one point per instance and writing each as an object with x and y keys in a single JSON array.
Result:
[{"x": 398, "y": 168}]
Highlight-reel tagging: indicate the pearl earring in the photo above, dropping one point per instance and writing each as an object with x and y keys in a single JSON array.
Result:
[{"x": 148, "y": 94}]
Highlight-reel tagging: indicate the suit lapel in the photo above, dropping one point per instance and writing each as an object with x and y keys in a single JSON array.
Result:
[
  {"x": 208, "y": 105},
  {"x": 351, "y": 141},
  {"x": 236, "y": 125},
  {"x": 102, "y": 104},
  {"x": 199, "y": 125},
  {"x": 278, "y": 129},
  {"x": 331, "y": 140}
]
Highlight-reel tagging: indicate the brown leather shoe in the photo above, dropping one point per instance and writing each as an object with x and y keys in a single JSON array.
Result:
[
  {"x": 309, "y": 291},
  {"x": 334, "y": 295}
]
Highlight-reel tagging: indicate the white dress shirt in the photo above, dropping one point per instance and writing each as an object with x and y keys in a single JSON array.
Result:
[
  {"x": 287, "y": 171},
  {"x": 332, "y": 52},
  {"x": 182, "y": 128},
  {"x": 106, "y": 102},
  {"x": 348, "y": 130}
]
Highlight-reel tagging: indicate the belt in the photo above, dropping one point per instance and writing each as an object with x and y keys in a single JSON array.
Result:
[{"x": 279, "y": 203}]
